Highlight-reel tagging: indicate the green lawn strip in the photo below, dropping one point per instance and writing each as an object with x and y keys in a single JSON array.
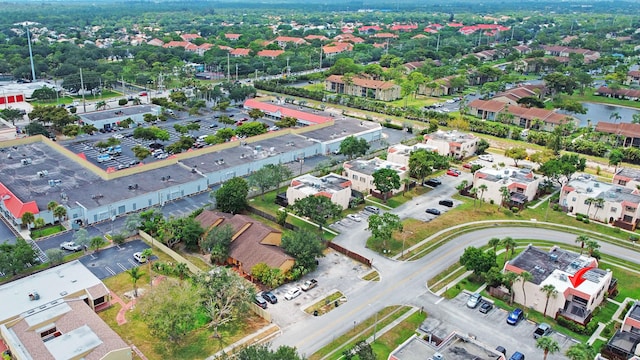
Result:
[
  {"x": 605, "y": 314},
  {"x": 628, "y": 284},
  {"x": 47, "y": 231},
  {"x": 372, "y": 276},
  {"x": 326, "y": 304},
  {"x": 597, "y": 345},
  {"x": 449, "y": 273},
  {"x": 389, "y": 341},
  {"x": 360, "y": 332},
  {"x": 403, "y": 197}
]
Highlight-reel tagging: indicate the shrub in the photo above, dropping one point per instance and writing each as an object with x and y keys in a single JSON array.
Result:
[
  {"x": 507, "y": 212},
  {"x": 586, "y": 221},
  {"x": 123, "y": 102},
  {"x": 616, "y": 230},
  {"x": 634, "y": 238},
  {"x": 556, "y": 207},
  {"x": 515, "y": 209},
  {"x": 579, "y": 217},
  {"x": 392, "y": 126}
]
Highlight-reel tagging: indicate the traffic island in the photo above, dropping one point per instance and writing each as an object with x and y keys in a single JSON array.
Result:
[{"x": 327, "y": 304}]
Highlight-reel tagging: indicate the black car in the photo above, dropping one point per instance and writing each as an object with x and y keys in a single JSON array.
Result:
[
  {"x": 268, "y": 295},
  {"x": 432, "y": 211},
  {"x": 432, "y": 182},
  {"x": 486, "y": 307},
  {"x": 447, "y": 203}
]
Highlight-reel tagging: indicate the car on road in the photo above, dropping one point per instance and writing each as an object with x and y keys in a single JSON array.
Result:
[
  {"x": 260, "y": 302},
  {"x": 486, "y": 157},
  {"x": 515, "y": 316},
  {"x": 432, "y": 182},
  {"x": 543, "y": 329},
  {"x": 118, "y": 136},
  {"x": 446, "y": 202},
  {"x": 292, "y": 293},
  {"x": 474, "y": 300},
  {"x": 453, "y": 172},
  {"x": 486, "y": 307},
  {"x": 212, "y": 126},
  {"x": 517, "y": 356},
  {"x": 70, "y": 246},
  {"x": 140, "y": 257},
  {"x": 354, "y": 217},
  {"x": 372, "y": 209},
  {"x": 268, "y": 295},
  {"x": 433, "y": 211}
]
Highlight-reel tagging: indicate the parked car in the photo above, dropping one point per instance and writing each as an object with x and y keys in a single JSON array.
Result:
[
  {"x": 70, "y": 246},
  {"x": 486, "y": 307},
  {"x": 432, "y": 182},
  {"x": 486, "y": 157},
  {"x": 140, "y": 257},
  {"x": 501, "y": 350},
  {"x": 260, "y": 302},
  {"x": 268, "y": 295},
  {"x": 432, "y": 211},
  {"x": 447, "y": 203},
  {"x": 543, "y": 329},
  {"x": 292, "y": 293},
  {"x": 309, "y": 284},
  {"x": 517, "y": 356},
  {"x": 452, "y": 172},
  {"x": 515, "y": 316},
  {"x": 467, "y": 165},
  {"x": 372, "y": 209},
  {"x": 354, "y": 217},
  {"x": 474, "y": 301}
]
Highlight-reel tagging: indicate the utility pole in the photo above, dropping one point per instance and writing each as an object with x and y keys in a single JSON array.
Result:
[
  {"x": 33, "y": 68},
  {"x": 288, "y": 68},
  {"x": 84, "y": 104},
  {"x": 320, "y": 56},
  {"x": 513, "y": 28},
  {"x": 236, "y": 72},
  {"x": 228, "y": 68},
  {"x": 438, "y": 43}
]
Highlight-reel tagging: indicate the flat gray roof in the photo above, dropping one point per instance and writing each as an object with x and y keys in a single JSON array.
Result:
[
  {"x": 119, "y": 112},
  {"x": 458, "y": 347},
  {"x": 74, "y": 181},
  {"x": 238, "y": 155},
  {"x": 51, "y": 285},
  {"x": 341, "y": 129},
  {"x": 541, "y": 263}
]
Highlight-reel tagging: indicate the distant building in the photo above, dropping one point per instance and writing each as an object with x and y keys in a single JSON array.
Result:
[
  {"x": 453, "y": 143},
  {"x": 522, "y": 185},
  {"x": 625, "y": 343},
  {"x": 360, "y": 173},
  {"x": 455, "y": 345},
  {"x": 628, "y": 134},
  {"x": 51, "y": 315},
  {"x": 109, "y": 119},
  {"x": 362, "y": 87},
  {"x": 271, "y": 54},
  {"x": 581, "y": 286},
  {"x": 335, "y": 187},
  {"x": 400, "y": 153},
  {"x": 525, "y": 117}
]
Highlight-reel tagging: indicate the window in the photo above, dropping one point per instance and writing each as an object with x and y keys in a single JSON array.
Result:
[
  {"x": 355, "y": 177},
  {"x": 622, "y": 182},
  {"x": 573, "y": 199},
  {"x": 48, "y": 332},
  {"x": 614, "y": 209}
]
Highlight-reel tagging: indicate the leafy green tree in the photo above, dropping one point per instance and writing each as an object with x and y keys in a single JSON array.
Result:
[
  {"x": 386, "y": 180},
  {"x": 27, "y": 218},
  {"x": 383, "y": 226},
  {"x": 420, "y": 165},
  {"x": 478, "y": 261},
  {"x": 35, "y": 128},
  {"x": 269, "y": 176},
  {"x": 11, "y": 115},
  {"x": 118, "y": 238},
  {"x": 81, "y": 237},
  {"x": 317, "y": 208},
  {"x": 251, "y": 129},
  {"x": 170, "y": 310},
  {"x": 615, "y": 158},
  {"x": 132, "y": 223},
  {"x": 60, "y": 212},
  {"x": 17, "y": 257},
  {"x": 39, "y": 223},
  {"x": 178, "y": 97},
  {"x": 55, "y": 255},
  {"x": 352, "y": 146},
  {"x": 55, "y": 116},
  {"x": 256, "y": 114},
  {"x": 305, "y": 247},
  {"x": 232, "y": 196},
  {"x": 286, "y": 122},
  {"x": 96, "y": 243},
  {"x": 225, "y": 295},
  {"x": 548, "y": 346},
  {"x": 580, "y": 351},
  {"x": 264, "y": 352},
  {"x": 185, "y": 229},
  {"x": 482, "y": 146},
  {"x": 517, "y": 153},
  {"x": 218, "y": 243},
  {"x": 561, "y": 169}
]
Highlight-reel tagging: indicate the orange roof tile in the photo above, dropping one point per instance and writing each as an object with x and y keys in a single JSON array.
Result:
[{"x": 16, "y": 207}]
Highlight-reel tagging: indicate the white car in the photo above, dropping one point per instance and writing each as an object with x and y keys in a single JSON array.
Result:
[
  {"x": 486, "y": 157},
  {"x": 354, "y": 217},
  {"x": 118, "y": 136},
  {"x": 71, "y": 246},
  {"x": 292, "y": 293},
  {"x": 140, "y": 257}
]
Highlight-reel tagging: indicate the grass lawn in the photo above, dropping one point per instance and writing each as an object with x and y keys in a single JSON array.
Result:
[
  {"x": 360, "y": 331},
  {"x": 589, "y": 97},
  {"x": 325, "y": 305},
  {"x": 403, "y": 197},
  {"x": 386, "y": 343},
  {"x": 47, "y": 231},
  {"x": 372, "y": 276},
  {"x": 465, "y": 284},
  {"x": 628, "y": 284}
]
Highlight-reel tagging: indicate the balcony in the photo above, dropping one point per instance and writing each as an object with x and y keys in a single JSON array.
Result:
[{"x": 576, "y": 312}]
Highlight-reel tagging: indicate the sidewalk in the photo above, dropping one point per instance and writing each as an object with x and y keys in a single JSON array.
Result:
[{"x": 253, "y": 338}]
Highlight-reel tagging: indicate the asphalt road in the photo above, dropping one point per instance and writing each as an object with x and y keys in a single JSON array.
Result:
[
  {"x": 405, "y": 283},
  {"x": 114, "y": 260}
]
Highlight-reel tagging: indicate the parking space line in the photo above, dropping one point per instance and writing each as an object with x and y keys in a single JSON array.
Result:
[
  {"x": 121, "y": 266},
  {"x": 439, "y": 300},
  {"x": 109, "y": 270}
]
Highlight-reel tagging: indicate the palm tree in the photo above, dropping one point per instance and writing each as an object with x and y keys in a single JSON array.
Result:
[
  {"x": 582, "y": 239},
  {"x": 525, "y": 276},
  {"x": 549, "y": 291},
  {"x": 509, "y": 244},
  {"x": 504, "y": 195},
  {"x": 494, "y": 242},
  {"x": 27, "y": 218},
  {"x": 463, "y": 185},
  {"x": 135, "y": 275},
  {"x": 182, "y": 270},
  {"x": 592, "y": 246},
  {"x": 599, "y": 204},
  {"x": 52, "y": 205},
  {"x": 548, "y": 345},
  {"x": 580, "y": 351},
  {"x": 474, "y": 192},
  {"x": 482, "y": 189},
  {"x": 589, "y": 201},
  {"x": 615, "y": 116},
  {"x": 148, "y": 253},
  {"x": 101, "y": 105},
  {"x": 508, "y": 279},
  {"x": 96, "y": 243},
  {"x": 60, "y": 212}
]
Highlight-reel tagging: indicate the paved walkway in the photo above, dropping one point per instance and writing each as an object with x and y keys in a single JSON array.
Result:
[
  {"x": 253, "y": 338},
  {"x": 115, "y": 299}
]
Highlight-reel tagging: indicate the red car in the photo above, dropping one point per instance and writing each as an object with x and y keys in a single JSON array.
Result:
[
  {"x": 467, "y": 166},
  {"x": 453, "y": 172}
]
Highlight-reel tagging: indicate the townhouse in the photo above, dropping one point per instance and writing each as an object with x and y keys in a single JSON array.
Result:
[
  {"x": 363, "y": 87},
  {"x": 360, "y": 173},
  {"x": 521, "y": 185},
  {"x": 335, "y": 187},
  {"x": 452, "y": 143}
]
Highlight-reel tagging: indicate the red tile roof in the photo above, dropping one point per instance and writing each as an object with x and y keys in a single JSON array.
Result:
[
  {"x": 403, "y": 27},
  {"x": 487, "y": 105},
  {"x": 284, "y": 111},
  {"x": 365, "y": 83},
  {"x": 16, "y": 207},
  {"x": 316, "y": 37},
  {"x": 624, "y": 129},
  {"x": 337, "y": 48},
  {"x": 270, "y": 53},
  {"x": 385, "y": 36},
  {"x": 240, "y": 52},
  {"x": 189, "y": 37},
  {"x": 232, "y": 36}
]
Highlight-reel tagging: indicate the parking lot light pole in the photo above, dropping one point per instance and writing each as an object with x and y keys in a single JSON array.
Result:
[
  {"x": 404, "y": 238},
  {"x": 375, "y": 325}
]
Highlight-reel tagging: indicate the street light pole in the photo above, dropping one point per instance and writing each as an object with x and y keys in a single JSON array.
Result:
[{"x": 375, "y": 327}]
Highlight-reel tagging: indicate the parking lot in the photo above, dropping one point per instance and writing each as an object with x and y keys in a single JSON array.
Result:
[
  {"x": 490, "y": 328},
  {"x": 115, "y": 260}
]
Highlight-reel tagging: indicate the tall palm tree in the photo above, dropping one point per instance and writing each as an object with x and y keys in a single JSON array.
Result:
[
  {"x": 135, "y": 275},
  {"x": 549, "y": 291},
  {"x": 148, "y": 253},
  {"x": 580, "y": 351},
  {"x": 525, "y": 276},
  {"x": 182, "y": 270},
  {"x": 28, "y": 218},
  {"x": 474, "y": 192},
  {"x": 60, "y": 213},
  {"x": 591, "y": 246},
  {"x": 589, "y": 201},
  {"x": 582, "y": 239},
  {"x": 509, "y": 278},
  {"x": 504, "y": 195},
  {"x": 548, "y": 345},
  {"x": 494, "y": 242},
  {"x": 52, "y": 205},
  {"x": 482, "y": 189},
  {"x": 509, "y": 244},
  {"x": 599, "y": 204}
]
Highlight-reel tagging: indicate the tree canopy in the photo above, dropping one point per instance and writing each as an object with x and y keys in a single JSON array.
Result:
[
  {"x": 351, "y": 146},
  {"x": 386, "y": 180},
  {"x": 232, "y": 196},
  {"x": 317, "y": 208}
]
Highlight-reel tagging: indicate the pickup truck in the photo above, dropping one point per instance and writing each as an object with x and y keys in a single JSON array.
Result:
[{"x": 309, "y": 284}]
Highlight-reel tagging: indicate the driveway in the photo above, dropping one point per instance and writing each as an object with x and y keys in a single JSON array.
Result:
[
  {"x": 6, "y": 234},
  {"x": 114, "y": 260}
]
